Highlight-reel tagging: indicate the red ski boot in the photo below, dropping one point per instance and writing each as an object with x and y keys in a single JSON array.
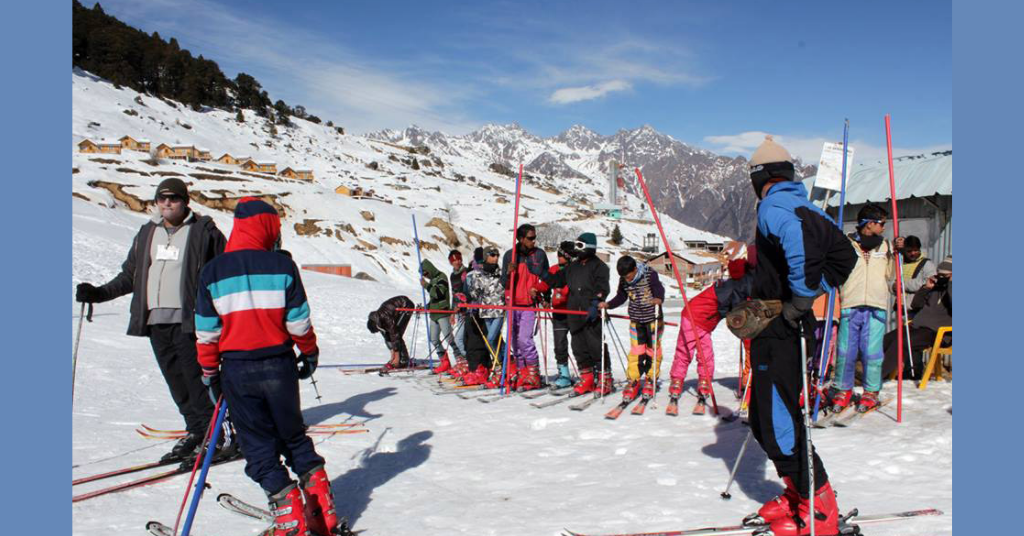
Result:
[
  {"x": 586, "y": 383},
  {"x": 868, "y": 401},
  {"x": 443, "y": 367},
  {"x": 605, "y": 385},
  {"x": 675, "y": 389},
  {"x": 321, "y": 517},
  {"x": 477, "y": 377},
  {"x": 704, "y": 387},
  {"x": 460, "y": 369},
  {"x": 630, "y": 391},
  {"x": 826, "y": 515},
  {"x": 288, "y": 510},
  {"x": 777, "y": 508},
  {"x": 840, "y": 400},
  {"x": 529, "y": 378},
  {"x": 647, "y": 392}
]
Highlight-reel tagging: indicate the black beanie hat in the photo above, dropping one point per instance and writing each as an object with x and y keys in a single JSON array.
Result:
[{"x": 172, "y": 186}]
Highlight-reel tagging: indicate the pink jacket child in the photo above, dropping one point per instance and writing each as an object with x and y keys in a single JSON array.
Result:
[{"x": 708, "y": 307}]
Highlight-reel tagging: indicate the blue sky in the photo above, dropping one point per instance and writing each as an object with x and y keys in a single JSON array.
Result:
[{"x": 712, "y": 74}]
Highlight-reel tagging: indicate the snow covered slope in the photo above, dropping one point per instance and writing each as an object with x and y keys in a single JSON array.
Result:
[{"x": 472, "y": 204}]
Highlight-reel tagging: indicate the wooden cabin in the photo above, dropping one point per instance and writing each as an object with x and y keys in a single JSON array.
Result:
[
  {"x": 260, "y": 166},
  {"x": 297, "y": 173},
  {"x": 132, "y": 144},
  {"x": 226, "y": 158},
  {"x": 176, "y": 152},
  {"x": 101, "y": 146}
]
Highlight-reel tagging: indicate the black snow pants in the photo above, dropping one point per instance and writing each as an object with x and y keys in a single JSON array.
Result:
[
  {"x": 775, "y": 417},
  {"x": 586, "y": 346},
  {"x": 476, "y": 344},
  {"x": 560, "y": 327},
  {"x": 175, "y": 353},
  {"x": 263, "y": 398}
]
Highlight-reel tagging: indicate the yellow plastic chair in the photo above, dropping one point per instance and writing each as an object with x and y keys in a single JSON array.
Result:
[{"x": 935, "y": 352}]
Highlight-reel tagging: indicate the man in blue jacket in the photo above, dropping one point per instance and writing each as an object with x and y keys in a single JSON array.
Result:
[{"x": 801, "y": 254}]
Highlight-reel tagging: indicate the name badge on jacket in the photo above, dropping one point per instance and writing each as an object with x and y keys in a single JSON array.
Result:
[{"x": 167, "y": 253}]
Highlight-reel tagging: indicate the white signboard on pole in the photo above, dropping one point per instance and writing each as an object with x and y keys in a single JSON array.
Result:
[{"x": 830, "y": 167}]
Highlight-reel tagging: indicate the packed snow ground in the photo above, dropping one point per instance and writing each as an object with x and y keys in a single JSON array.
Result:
[{"x": 443, "y": 465}]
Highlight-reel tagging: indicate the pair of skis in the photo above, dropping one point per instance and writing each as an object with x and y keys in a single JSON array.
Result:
[
  {"x": 137, "y": 483},
  {"x": 314, "y": 429},
  {"x": 849, "y": 415},
  {"x": 849, "y": 525},
  {"x": 672, "y": 409},
  {"x": 234, "y": 504}
]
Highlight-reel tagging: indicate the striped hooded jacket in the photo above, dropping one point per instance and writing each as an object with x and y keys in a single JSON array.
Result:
[{"x": 251, "y": 303}]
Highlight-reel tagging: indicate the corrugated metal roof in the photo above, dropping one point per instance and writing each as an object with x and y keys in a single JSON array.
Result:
[{"x": 916, "y": 176}]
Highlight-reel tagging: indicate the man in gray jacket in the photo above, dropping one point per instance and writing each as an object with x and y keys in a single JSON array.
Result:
[{"x": 162, "y": 273}]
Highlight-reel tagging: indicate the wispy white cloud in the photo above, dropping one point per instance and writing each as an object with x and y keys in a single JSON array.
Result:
[
  {"x": 808, "y": 148},
  {"x": 584, "y": 93},
  {"x": 303, "y": 67}
]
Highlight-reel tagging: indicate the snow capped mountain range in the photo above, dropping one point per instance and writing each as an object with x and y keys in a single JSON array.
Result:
[{"x": 693, "y": 185}]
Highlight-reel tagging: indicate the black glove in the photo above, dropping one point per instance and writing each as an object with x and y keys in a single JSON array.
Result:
[
  {"x": 88, "y": 293},
  {"x": 307, "y": 364},
  {"x": 212, "y": 383},
  {"x": 795, "y": 309},
  {"x": 593, "y": 312}
]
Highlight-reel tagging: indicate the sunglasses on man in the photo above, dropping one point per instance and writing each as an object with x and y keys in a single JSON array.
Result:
[{"x": 169, "y": 199}]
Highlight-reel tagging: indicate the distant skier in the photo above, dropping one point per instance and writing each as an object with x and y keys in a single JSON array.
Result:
[
  {"x": 391, "y": 324},
  {"x": 866, "y": 295},
  {"x": 587, "y": 278},
  {"x": 531, "y": 264},
  {"x": 457, "y": 284},
  {"x": 640, "y": 285},
  {"x": 250, "y": 311},
  {"x": 162, "y": 273},
  {"x": 484, "y": 288},
  {"x": 801, "y": 253},
  {"x": 558, "y": 298},
  {"x": 438, "y": 299}
]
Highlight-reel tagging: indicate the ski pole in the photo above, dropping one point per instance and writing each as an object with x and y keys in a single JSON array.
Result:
[
  {"x": 512, "y": 283},
  {"x": 656, "y": 365},
  {"x": 620, "y": 349},
  {"x": 736, "y": 465},
  {"x": 826, "y": 355},
  {"x": 899, "y": 273},
  {"x": 807, "y": 427},
  {"x": 906, "y": 322},
  {"x": 195, "y": 466},
  {"x": 207, "y": 459},
  {"x": 423, "y": 291},
  {"x": 604, "y": 319},
  {"x": 74, "y": 355}
]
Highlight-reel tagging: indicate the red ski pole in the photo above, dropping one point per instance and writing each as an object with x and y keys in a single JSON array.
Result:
[
  {"x": 899, "y": 276},
  {"x": 675, "y": 271},
  {"x": 512, "y": 282}
]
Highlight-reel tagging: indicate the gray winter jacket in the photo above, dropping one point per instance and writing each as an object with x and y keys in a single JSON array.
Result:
[{"x": 205, "y": 242}]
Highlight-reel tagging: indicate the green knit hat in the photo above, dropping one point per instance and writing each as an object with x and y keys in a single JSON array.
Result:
[{"x": 589, "y": 240}]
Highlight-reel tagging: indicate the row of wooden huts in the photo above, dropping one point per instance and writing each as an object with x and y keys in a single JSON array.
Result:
[{"x": 191, "y": 153}]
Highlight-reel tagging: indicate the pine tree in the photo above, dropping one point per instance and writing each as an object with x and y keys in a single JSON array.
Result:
[
  {"x": 240, "y": 117},
  {"x": 616, "y": 235}
]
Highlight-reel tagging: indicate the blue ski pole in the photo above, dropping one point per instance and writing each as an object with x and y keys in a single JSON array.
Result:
[
  {"x": 827, "y": 339},
  {"x": 423, "y": 292},
  {"x": 201, "y": 483}
]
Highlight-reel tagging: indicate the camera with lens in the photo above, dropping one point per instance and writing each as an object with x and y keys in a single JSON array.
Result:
[{"x": 941, "y": 281}]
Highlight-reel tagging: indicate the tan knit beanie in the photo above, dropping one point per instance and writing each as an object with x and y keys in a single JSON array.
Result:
[{"x": 769, "y": 152}]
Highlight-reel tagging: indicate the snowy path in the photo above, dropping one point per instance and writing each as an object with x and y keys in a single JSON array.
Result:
[{"x": 444, "y": 465}]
